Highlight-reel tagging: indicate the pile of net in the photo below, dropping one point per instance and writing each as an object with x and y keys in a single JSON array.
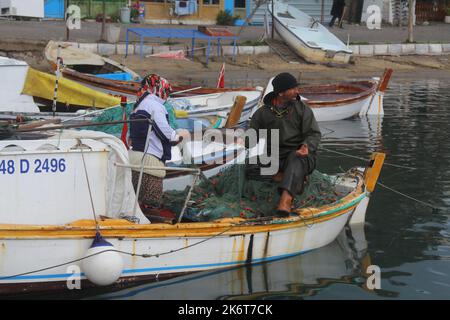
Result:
[
  {"x": 230, "y": 194},
  {"x": 111, "y": 115}
]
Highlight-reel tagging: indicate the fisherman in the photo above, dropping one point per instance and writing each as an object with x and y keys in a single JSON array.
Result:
[
  {"x": 299, "y": 137},
  {"x": 154, "y": 91}
]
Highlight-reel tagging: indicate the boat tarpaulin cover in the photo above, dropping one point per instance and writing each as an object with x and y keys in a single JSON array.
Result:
[
  {"x": 42, "y": 85},
  {"x": 120, "y": 193}
]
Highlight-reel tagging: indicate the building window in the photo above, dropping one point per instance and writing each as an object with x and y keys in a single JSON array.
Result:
[
  {"x": 239, "y": 3},
  {"x": 208, "y": 2}
]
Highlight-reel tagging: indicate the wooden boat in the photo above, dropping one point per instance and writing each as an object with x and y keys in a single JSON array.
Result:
[
  {"x": 74, "y": 189},
  {"x": 306, "y": 36},
  {"x": 88, "y": 62},
  {"x": 131, "y": 88},
  {"x": 344, "y": 100},
  {"x": 87, "y": 68},
  {"x": 216, "y": 104}
]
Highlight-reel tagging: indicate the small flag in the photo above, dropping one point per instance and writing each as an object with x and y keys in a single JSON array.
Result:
[
  {"x": 221, "y": 80},
  {"x": 123, "y": 136}
]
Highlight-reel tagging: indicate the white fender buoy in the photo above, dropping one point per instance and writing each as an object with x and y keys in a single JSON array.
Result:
[{"x": 102, "y": 268}]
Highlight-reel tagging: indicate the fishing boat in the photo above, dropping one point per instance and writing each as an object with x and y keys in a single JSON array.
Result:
[
  {"x": 88, "y": 62},
  {"x": 343, "y": 100},
  {"x": 216, "y": 104},
  {"x": 12, "y": 80},
  {"x": 131, "y": 88},
  {"x": 306, "y": 36},
  {"x": 31, "y": 92},
  {"x": 71, "y": 222},
  {"x": 106, "y": 75}
]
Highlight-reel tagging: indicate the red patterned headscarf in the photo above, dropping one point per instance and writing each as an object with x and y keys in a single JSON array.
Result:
[{"x": 156, "y": 85}]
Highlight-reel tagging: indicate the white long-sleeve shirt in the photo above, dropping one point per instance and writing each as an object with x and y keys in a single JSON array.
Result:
[{"x": 155, "y": 107}]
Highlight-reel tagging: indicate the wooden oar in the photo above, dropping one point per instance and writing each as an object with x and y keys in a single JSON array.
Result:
[
  {"x": 80, "y": 125},
  {"x": 236, "y": 111},
  {"x": 38, "y": 123}
]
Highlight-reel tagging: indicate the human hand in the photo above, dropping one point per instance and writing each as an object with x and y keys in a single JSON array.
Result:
[
  {"x": 184, "y": 134},
  {"x": 303, "y": 151}
]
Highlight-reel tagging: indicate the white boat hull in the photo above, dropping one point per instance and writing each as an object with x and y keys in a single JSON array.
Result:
[
  {"x": 307, "y": 37},
  {"x": 25, "y": 255},
  {"x": 340, "y": 111}
]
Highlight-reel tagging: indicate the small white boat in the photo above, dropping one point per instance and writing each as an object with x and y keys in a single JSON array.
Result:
[
  {"x": 59, "y": 193},
  {"x": 13, "y": 74},
  {"x": 306, "y": 36},
  {"x": 216, "y": 104}
]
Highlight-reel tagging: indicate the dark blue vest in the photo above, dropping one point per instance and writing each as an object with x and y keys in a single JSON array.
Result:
[{"x": 139, "y": 130}]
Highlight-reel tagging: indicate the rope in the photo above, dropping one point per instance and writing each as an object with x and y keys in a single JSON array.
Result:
[
  {"x": 436, "y": 208},
  {"x": 365, "y": 160},
  {"x": 89, "y": 188},
  {"x": 414, "y": 199},
  {"x": 119, "y": 251}
]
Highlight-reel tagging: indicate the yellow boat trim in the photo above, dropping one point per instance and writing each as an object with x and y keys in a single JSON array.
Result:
[
  {"x": 41, "y": 84},
  {"x": 119, "y": 228}
]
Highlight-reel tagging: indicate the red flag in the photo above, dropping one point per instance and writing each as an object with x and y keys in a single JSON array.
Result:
[
  {"x": 221, "y": 80},
  {"x": 123, "y": 136}
]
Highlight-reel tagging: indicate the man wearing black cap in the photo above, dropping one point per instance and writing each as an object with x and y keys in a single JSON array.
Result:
[{"x": 299, "y": 137}]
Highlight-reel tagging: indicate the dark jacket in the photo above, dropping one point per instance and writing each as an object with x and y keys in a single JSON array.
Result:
[
  {"x": 296, "y": 127},
  {"x": 337, "y": 8}
]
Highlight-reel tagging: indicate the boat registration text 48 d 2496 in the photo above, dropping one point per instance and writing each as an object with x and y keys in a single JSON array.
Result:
[{"x": 25, "y": 166}]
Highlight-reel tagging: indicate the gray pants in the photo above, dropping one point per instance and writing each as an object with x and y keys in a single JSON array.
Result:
[{"x": 294, "y": 168}]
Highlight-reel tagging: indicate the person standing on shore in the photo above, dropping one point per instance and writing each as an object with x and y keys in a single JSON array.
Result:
[{"x": 337, "y": 10}]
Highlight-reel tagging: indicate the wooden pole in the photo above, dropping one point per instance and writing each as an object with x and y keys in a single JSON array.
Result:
[
  {"x": 66, "y": 4},
  {"x": 322, "y": 10},
  {"x": 411, "y": 4},
  {"x": 236, "y": 111},
  {"x": 273, "y": 22},
  {"x": 103, "y": 36}
]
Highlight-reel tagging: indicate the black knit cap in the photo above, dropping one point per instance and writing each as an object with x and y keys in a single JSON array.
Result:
[{"x": 282, "y": 82}]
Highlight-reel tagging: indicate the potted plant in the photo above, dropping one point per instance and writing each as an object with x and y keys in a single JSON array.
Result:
[
  {"x": 135, "y": 13},
  {"x": 447, "y": 17}
]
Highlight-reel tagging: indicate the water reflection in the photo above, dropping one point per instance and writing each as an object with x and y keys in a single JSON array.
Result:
[
  {"x": 408, "y": 240},
  {"x": 344, "y": 261}
]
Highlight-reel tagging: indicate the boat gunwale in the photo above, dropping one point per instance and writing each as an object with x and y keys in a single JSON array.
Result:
[
  {"x": 132, "y": 87},
  {"x": 364, "y": 94}
]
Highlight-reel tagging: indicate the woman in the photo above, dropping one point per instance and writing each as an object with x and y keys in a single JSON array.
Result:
[{"x": 154, "y": 149}]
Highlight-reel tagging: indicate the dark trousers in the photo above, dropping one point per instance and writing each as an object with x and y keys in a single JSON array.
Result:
[
  {"x": 295, "y": 169},
  {"x": 334, "y": 19}
]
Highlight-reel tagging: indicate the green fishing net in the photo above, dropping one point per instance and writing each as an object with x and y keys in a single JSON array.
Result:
[
  {"x": 230, "y": 194},
  {"x": 110, "y": 115}
]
